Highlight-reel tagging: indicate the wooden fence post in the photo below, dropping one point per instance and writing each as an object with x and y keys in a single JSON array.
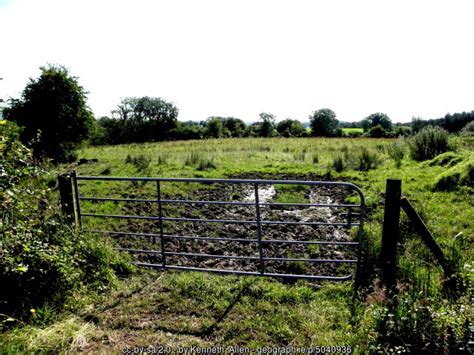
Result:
[
  {"x": 65, "y": 192},
  {"x": 391, "y": 234}
]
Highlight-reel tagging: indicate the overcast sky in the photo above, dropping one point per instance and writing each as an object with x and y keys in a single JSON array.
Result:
[{"x": 240, "y": 58}]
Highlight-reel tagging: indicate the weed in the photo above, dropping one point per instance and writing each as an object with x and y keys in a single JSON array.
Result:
[
  {"x": 206, "y": 163},
  {"x": 396, "y": 151},
  {"x": 192, "y": 158},
  {"x": 299, "y": 156},
  {"x": 338, "y": 163},
  {"x": 366, "y": 160},
  {"x": 315, "y": 158}
]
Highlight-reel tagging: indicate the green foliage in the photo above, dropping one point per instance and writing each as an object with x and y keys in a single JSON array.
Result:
[
  {"x": 377, "y": 131},
  {"x": 42, "y": 257},
  {"x": 468, "y": 129},
  {"x": 396, "y": 151},
  {"x": 141, "y": 162},
  {"x": 290, "y": 128},
  {"x": 323, "y": 123},
  {"x": 377, "y": 119},
  {"x": 214, "y": 128},
  {"x": 447, "y": 159},
  {"x": 54, "y": 114},
  {"x": 461, "y": 174},
  {"x": 206, "y": 163},
  {"x": 367, "y": 160},
  {"x": 428, "y": 143},
  {"x": 338, "y": 163},
  {"x": 267, "y": 128},
  {"x": 138, "y": 119}
]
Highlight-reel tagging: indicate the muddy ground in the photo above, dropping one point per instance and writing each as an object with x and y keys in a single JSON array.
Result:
[{"x": 245, "y": 193}]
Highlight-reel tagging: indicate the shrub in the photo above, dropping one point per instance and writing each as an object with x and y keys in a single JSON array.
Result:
[
  {"x": 377, "y": 132},
  {"x": 367, "y": 160},
  {"x": 42, "y": 257},
  {"x": 428, "y": 143},
  {"x": 396, "y": 151}
]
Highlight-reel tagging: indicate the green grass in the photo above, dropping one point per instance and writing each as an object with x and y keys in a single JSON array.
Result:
[
  {"x": 200, "y": 309},
  {"x": 347, "y": 131}
]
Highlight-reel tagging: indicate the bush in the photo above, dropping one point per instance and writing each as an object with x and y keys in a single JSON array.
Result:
[
  {"x": 42, "y": 257},
  {"x": 367, "y": 160},
  {"x": 377, "y": 132},
  {"x": 396, "y": 151},
  {"x": 428, "y": 143}
]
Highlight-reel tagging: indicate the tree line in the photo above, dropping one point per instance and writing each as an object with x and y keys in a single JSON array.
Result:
[{"x": 55, "y": 118}]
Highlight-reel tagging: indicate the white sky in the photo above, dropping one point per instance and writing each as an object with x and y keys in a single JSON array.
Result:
[{"x": 240, "y": 58}]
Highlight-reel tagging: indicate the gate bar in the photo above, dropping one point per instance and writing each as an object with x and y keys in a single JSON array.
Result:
[
  {"x": 170, "y": 236},
  {"x": 151, "y": 218},
  {"x": 259, "y": 229}
]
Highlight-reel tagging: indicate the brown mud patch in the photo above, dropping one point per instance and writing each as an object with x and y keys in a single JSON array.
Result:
[{"x": 247, "y": 232}]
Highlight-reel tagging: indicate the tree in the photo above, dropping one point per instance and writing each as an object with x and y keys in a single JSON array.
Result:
[
  {"x": 267, "y": 128},
  {"x": 145, "y": 118},
  {"x": 235, "y": 126},
  {"x": 53, "y": 114},
  {"x": 290, "y": 128},
  {"x": 323, "y": 123},
  {"x": 214, "y": 128},
  {"x": 377, "y": 119}
]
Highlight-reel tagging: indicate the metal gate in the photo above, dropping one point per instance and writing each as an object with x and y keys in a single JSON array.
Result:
[{"x": 164, "y": 229}]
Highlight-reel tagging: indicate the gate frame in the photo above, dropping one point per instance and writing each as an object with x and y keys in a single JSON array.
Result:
[{"x": 258, "y": 222}]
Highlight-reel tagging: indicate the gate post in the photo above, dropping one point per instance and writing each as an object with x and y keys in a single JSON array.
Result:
[
  {"x": 65, "y": 192},
  {"x": 391, "y": 234}
]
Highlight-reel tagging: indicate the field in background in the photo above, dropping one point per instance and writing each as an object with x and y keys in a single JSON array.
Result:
[{"x": 185, "y": 308}]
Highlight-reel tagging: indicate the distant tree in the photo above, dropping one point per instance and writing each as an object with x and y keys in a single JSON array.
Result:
[
  {"x": 188, "y": 130},
  {"x": 416, "y": 124},
  {"x": 145, "y": 118},
  {"x": 53, "y": 113},
  {"x": 235, "y": 126},
  {"x": 214, "y": 128},
  {"x": 290, "y": 128},
  {"x": 267, "y": 128},
  {"x": 377, "y": 119},
  {"x": 323, "y": 123}
]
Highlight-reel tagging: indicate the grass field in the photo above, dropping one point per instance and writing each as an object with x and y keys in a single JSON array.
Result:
[{"x": 184, "y": 309}]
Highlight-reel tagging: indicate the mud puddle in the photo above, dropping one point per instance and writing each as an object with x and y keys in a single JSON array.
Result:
[{"x": 247, "y": 231}]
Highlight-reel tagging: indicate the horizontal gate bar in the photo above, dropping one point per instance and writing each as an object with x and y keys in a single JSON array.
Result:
[
  {"x": 151, "y": 218},
  {"x": 270, "y": 241},
  {"x": 238, "y": 203},
  {"x": 236, "y": 257},
  {"x": 222, "y": 181},
  {"x": 250, "y": 273}
]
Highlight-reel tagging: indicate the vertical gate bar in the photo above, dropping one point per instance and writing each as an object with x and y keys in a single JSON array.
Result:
[
  {"x": 349, "y": 217},
  {"x": 162, "y": 239},
  {"x": 360, "y": 249},
  {"x": 259, "y": 230},
  {"x": 76, "y": 198}
]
